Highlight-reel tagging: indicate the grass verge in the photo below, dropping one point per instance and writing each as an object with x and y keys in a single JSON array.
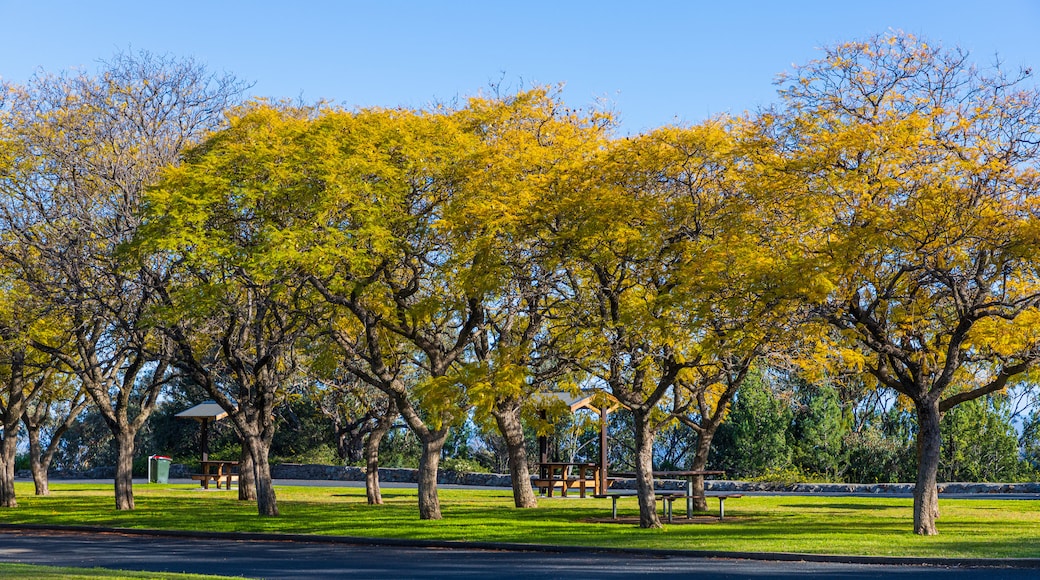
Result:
[
  {"x": 29, "y": 572},
  {"x": 875, "y": 526}
]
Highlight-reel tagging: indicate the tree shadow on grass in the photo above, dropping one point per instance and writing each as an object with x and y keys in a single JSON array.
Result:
[
  {"x": 384, "y": 495},
  {"x": 845, "y": 506}
]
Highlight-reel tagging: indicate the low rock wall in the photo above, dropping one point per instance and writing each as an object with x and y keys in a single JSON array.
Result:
[
  {"x": 871, "y": 488},
  {"x": 390, "y": 475},
  {"x": 394, "y": 475},
  {"x": 331, "y": 472}
]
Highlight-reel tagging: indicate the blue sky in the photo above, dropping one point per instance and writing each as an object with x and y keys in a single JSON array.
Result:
[{"x": 656, "y": 62}]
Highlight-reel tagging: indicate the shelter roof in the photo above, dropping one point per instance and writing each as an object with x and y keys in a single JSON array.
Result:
[
  {"x": 594, "y": 400},
  {"x": 204, "y": 410}
]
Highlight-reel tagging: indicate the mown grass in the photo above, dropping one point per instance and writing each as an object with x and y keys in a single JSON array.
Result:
[
  {"x": 830, "y": 525},
  {"x": 30, "y": 572}
]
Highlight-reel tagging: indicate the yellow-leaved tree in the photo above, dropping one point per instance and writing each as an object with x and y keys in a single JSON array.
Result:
[
  {"x": 529, "y": 144},
  {"x": 922, "y": 175},
  {"x": 26, "y": 373},
  {"x": 405, "y": 295},
  {"x": 235, "y": 313},
  {"x": 85, "y": 147},
  {"x": 746, "y": 285}
]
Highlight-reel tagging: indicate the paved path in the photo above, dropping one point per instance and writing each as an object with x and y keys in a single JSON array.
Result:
[{"x": 304, "y": 559}]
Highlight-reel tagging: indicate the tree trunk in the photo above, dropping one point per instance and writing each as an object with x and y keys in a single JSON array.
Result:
[
  {"x": 347, "y": 447},
  {"x": 644, "y": 440},
  {"x": 372, "y": 491},
  {"x": 40, "y": 457},
  {"x": 266, "y": 502},
  {"x": 37, "y": 463},
  {"x": 700, "y": 461},
  {"x": 246, "y": 475},
  {"x": 13, "y": 406},
  {"x": 124, "y": 470},
  {"x": 375, "y": 437},
  {"x": 512, "y": 430},
  {"x": 429, "y": 504},
  {"x": 926, "y": 493},
  {"x": 8, "y": 450}
]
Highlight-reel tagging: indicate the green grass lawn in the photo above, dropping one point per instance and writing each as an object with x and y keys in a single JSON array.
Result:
[
  {"x": 830, "y": 525},
  {"x": 28, "y": 572}
]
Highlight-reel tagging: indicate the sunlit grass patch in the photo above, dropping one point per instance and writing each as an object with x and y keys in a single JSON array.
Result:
[
  {"x": 30, "y": 572},
  {"x": 807, "y": 524}
]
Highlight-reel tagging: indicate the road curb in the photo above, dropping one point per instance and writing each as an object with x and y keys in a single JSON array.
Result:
[{"x": 1021, "y": 563}]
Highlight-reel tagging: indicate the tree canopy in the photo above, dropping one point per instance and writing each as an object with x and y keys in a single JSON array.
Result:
[{"x": 876, "y": 231}]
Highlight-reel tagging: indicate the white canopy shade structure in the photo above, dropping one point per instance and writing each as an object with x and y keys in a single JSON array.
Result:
[
  {"x": 601, "y": 402},
  {"x": 204, "y": 413}
]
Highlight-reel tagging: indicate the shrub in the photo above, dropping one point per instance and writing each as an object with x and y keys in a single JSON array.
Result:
[
  {"x": 789, "y": 474},
  {"x": 459, "y": 465}
]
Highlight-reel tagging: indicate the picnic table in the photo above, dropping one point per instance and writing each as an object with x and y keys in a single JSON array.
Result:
[
  {"x": 217, "y": 471},
  {"x": 567, "y": 475},
  {"x": 667, "y": 497},
  {"x": 689, "y": 476}
]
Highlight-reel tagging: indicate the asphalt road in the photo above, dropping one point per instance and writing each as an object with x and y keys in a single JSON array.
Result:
[{"x": 303, "y": 559}]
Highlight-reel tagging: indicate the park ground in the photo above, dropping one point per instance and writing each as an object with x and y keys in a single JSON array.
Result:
[{"x": 846, "y": 525}]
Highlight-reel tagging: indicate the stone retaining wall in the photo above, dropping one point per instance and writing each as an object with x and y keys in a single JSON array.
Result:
[
  {"x": 391, "y": 475},
  {"x": 872, "y": 488},
  {"x": 331, "y": 472}
]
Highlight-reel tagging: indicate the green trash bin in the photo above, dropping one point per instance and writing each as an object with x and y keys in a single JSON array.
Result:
[{"x": 158, "y": 469}]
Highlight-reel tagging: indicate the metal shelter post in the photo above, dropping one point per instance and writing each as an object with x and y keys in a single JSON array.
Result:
[
  {"x": 603, "y": 412},
  {"x": 204, "y": 413},
  {"x": 205, "y": 439}
]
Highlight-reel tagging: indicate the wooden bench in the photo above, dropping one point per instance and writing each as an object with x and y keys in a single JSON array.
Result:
[
  {"x": 548, "y": 485},
  {"x": 217, "y": 471},
  {"x": 667, "y": 498},
  {"x": 205, "y": 478},
  {"x": 567, "y": 476},
  {"x": 564, "y": 484}
]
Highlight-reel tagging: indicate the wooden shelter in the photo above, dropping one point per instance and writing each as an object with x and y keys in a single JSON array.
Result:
[
  {"x": 600, "y": 402},
  {"x": 204, "y": 413}
]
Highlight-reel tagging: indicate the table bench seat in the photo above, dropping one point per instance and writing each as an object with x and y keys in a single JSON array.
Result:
[
  {"x": 566, "y": 476},
  {"x": 722, "y": 497},
  {"x": 667, "y": 498},
  {"x": 620, "y": 493},
  {"x": 564, "y": 484},
  {"x": 205, "y": 478}
]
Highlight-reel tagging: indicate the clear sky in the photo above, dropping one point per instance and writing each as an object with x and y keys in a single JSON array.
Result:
[{"x": 657, "y": 62}]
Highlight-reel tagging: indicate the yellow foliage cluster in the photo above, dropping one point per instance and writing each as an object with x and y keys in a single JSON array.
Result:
[
  {"x": 892, "y": 196},
  {"x": 921, "y": 182}
]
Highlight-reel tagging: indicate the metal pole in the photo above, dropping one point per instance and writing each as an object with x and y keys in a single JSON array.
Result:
[
  {"x": 689, "y": 496},
  {"x": 205, "y": 439},
  {"x": 543, "y": 450},
  {"x": 603, "y": 449}
]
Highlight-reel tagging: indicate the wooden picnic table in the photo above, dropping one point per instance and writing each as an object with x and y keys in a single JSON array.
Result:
[
  {"x": 566, "y": 474},
  {"x": 217, "y": 471}
]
